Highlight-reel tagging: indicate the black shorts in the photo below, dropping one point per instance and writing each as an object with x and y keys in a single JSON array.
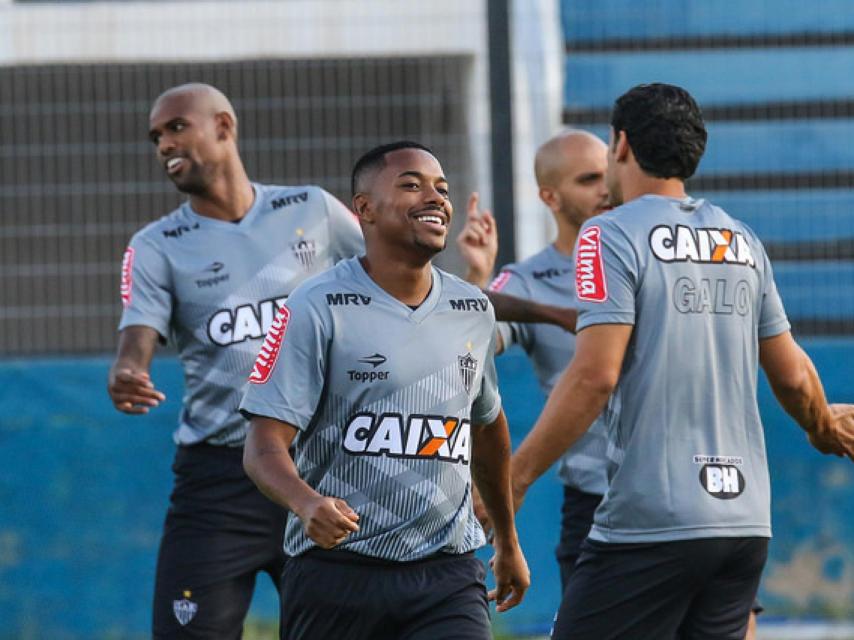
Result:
[
  {"x": 685, "y": 590},
  {"x": 345, "y": 596},
  {"x": 576, "y": 517},
  {"x": 220, "y": 531}
]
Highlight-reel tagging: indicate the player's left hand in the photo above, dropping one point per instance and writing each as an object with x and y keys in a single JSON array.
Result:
[
  {"x": 478, "y": 243},
  {"x": 512, "y": 577}
]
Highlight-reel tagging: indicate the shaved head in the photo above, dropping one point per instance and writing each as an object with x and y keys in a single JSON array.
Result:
[
  {"x": 199, "y": 97},
  {"x": 558, "y": 154}
]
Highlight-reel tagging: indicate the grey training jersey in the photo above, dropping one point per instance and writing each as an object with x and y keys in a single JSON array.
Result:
[
  {"x": 549, "y": 277},
  {"x": 214, "y": 287},
  {"x": 684, "y": 429},
  {"x": 384, "y": 397}
]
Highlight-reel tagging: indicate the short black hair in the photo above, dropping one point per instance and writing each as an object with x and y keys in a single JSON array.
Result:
[
  {"x": 375, "y": 159},
  {"x": 664, "y": 127}
]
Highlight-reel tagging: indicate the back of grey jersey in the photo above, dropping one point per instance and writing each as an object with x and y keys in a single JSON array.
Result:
[
  {"x": 685, "y": 434},
  {"x": 214, "y": 287},
  {"x": 383, "y": 397},
  {"x": 548, "y": 277}
]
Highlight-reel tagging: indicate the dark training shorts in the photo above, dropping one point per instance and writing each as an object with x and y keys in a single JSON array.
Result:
[
  {"x": 220, "y": 531},
  {"x": 576, "y": 518},
  {"x": 686, "y": 590},
  {"x": 346, "y": 596}
]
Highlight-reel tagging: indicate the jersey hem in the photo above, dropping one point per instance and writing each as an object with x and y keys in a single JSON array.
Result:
[{"x": 681, "y": 533}]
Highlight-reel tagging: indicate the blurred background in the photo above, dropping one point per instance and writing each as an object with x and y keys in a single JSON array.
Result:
[{"x": 315, "y": 83}]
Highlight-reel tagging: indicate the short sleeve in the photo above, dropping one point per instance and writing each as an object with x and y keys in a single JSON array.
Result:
[
  {"x": 345, "y": 234},
  {"x": 287, "y": 379},
  {"x": 146, "y": 287},
  {"x": 606, "y": 275},
  {"x": 772, "y": 315},
  {"x": 511, "y": 283},
  {"x": 487, "y": 404}
]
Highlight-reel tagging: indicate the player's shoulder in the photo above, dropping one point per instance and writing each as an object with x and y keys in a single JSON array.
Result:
[
  {"x": 174, "y": 224},
  {"x": 278, "y": 196},
  {"x": 314, "y": 291},
  {"x": 462, "y": 295}
]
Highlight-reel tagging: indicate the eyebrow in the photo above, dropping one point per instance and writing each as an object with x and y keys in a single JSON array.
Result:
[{"x": 418, "y": 174}]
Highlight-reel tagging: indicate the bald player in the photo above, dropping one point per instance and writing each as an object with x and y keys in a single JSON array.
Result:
[
  {"x": 570, "y": 171},
  {"x": 209, "y": 277}
]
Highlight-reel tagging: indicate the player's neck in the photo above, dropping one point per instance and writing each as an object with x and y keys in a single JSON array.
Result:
[
  {"x": 566, "y": 237},
  {"x": 409, "y": 283},
  {"x": 229, "y": 198},
  {"x": 645, "y": 185}
]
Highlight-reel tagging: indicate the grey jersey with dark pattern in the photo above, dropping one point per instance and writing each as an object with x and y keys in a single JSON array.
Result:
[
  {"x": 213, "y": 288},
  {"x": 548, "y": 277},
  {"x": 383, "y": 397},
  {"x": 686, "y": 439}
]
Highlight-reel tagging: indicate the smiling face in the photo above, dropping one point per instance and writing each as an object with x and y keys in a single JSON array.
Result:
[
  {"x": 190, "y": 139},
  {"x": 406, "y": 205}
]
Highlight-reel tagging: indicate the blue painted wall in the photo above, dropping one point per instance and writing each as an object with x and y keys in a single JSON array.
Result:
[{"x": 83, "y": 491}]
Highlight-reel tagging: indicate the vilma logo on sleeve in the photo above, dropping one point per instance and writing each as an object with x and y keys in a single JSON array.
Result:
[
  {"x": 590, "y": 284},
  {"x": 269, "y": 353}
]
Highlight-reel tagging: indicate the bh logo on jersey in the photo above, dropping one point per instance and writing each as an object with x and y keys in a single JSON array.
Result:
[
  {"x": 720, "y": 476},
  {"x": 704, "y": 246},
  {"x": 269, "y": 353},
  {"x": 415, "y": 437},
  {"x": 590, "y": 282}
]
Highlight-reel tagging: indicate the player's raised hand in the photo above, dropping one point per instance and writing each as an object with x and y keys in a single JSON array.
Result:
[
  {"x": 512, "y": 577},
  {"x": 478, "y": 243},
  {"x": 328, "y": 521},
  {"x": 133, "y": 392}
]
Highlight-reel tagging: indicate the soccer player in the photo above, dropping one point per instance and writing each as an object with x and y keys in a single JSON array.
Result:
[
  {"x": 380, "y": 375},
  {"x": 678, "y": 308},
  {"x": 210, "y": 276},
  {"x": 570, "y": 171}
]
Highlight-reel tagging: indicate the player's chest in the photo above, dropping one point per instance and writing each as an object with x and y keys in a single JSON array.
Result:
[{"x": 374, "y": 355}]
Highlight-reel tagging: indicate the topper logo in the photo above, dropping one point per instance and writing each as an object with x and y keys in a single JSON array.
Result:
[
  {"x": 590, "y": 284},
  {"x": 269, "y": 353},
  {"x": 126, "y": 288}
]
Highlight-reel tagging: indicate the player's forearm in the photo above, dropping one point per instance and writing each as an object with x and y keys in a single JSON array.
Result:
[
  {"x": 572, "y": 406},
  {"x": 268, "y": 463},
  {"x": 806, "y": 402},
  {"x": 795, "y": 382},
  {"x": 512, "y": 309},
  {"x": 491, "y": 475}
]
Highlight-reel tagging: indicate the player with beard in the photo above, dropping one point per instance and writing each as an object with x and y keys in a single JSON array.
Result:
[{"x": 210, "y": 277}]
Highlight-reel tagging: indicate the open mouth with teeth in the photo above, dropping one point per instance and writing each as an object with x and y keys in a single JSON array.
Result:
[
  {"x": 174, "y": 165},
  {"x": 433, "y": 220}
]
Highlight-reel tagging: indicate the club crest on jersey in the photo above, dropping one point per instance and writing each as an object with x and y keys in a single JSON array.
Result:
[
  {"x": 184, "y": 609},
  {"x": 126, "y": 288},
  {"x": 590, "y": 283},
  {"x": 269, "y": 352},
  {"x": 703, "y": 245},
  {"x": 445, "y": 438},
  {"x": 468, "y": 370},
  {"x": 305, "y": 251},
  {"x": 720, "y": 476}
]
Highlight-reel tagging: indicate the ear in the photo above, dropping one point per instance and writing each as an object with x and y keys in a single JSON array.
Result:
[
  {"x": 549, "y": 196},
  {"x": 225, "y": 126},
  {"x": 362, "y": 207},
  {"x": 621, "y": 146}
]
